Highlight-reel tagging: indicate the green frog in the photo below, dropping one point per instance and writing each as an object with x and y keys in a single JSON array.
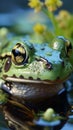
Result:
[{"x": 31, "y": 73}]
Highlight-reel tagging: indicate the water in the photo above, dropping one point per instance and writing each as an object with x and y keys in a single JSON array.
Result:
[{"x": 3, "y": 125}]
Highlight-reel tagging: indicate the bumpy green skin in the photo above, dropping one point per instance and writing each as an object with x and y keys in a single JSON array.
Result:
[{"x": 51, "y": 62}]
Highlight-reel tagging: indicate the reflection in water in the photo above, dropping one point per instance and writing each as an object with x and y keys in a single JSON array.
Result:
[
  {"x": 15, "y": 117},
  {"x": 3, "y": 125}
]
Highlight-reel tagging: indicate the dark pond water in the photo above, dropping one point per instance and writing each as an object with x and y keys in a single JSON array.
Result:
[{"x": 3, "y": 125}]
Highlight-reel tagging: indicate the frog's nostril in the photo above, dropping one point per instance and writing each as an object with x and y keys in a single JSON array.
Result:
[{"x": 49, "y": 66}]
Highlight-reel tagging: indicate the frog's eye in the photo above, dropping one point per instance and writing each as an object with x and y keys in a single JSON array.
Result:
[
  {"x": 19, "y": 54},
  {"x": 69, "y": 46}
]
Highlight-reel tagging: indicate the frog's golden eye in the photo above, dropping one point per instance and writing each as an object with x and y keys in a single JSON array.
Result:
[{"x": 19, "y": 54}]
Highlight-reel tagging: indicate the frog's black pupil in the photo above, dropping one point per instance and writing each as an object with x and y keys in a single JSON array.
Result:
[{"x": 16, "y": 53}]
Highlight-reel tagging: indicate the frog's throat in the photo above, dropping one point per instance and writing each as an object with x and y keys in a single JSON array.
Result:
[{"x": 19, "y": 80}]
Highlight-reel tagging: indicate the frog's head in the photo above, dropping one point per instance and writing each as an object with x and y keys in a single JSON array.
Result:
[{"x": 38, "y": 63}]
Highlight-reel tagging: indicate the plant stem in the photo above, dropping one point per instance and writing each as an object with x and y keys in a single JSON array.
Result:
[{"x": 51, "y": 16}]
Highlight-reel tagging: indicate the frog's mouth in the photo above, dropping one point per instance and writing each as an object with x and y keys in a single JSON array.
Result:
[
  {"x": 37, "y": 81},
  {"x": 21, "y": 80}
]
